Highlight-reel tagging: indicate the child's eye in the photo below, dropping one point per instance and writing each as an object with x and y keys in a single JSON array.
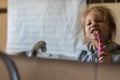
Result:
[
  {"x": 89, "y": 23},
  {"x": 99, "y": 20}
]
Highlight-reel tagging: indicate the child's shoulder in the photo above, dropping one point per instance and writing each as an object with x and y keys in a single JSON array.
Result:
[
  {"x": 113, "y": 46},
  {"x": 82, "y": 47}
]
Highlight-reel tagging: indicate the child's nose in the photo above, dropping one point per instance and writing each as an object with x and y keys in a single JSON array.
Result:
[{"x": 94, "y": 24}]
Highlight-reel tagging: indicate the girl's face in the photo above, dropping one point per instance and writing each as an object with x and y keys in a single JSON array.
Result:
[{"x": 95, "y": 22}]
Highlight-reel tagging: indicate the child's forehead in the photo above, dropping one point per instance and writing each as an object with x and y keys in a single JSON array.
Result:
[
  {"x": 99, "y": 12},
  {"x": 95, "y": 13}
]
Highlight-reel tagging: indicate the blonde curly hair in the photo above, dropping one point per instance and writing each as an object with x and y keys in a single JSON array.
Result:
[{"x": 108, "y": 16}]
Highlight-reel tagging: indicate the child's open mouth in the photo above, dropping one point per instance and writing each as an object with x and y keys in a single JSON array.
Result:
[{"x": 93, "y": 31}]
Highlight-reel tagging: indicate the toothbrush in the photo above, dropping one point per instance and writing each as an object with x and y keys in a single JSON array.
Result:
[{"x": 100, "y": 46}]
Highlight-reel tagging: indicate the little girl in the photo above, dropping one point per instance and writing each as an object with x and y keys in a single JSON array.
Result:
[{"x": 99, "y": 30}]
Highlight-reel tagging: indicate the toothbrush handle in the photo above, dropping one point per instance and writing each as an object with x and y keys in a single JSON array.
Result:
[{"x": 100, "y": 46}]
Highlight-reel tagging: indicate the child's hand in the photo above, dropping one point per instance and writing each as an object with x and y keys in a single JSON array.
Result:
[{"x": 104, "y": 57}]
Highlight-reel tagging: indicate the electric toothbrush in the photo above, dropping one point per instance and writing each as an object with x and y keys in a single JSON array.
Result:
[{"x": 100, "y": 46}]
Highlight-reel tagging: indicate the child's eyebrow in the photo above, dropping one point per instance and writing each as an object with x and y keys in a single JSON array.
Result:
[{"x": 87, "y": 21}]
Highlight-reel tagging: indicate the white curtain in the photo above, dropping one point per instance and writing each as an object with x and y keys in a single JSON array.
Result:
[{"x": 54, "y": 21}]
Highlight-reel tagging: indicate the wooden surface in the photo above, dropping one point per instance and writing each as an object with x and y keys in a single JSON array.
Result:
[{"x": 3, "y": 25}]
